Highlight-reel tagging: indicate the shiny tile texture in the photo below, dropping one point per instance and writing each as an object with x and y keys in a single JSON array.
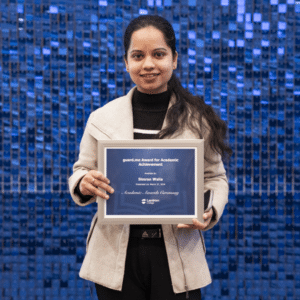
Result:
[{"x": 60, "y": 60}]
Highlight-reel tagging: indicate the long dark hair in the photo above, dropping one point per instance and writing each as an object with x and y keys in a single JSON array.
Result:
[{"x": 188, "y": 110}]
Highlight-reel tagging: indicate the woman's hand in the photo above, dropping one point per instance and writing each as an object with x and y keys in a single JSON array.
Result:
[
  {"x": 198, "y": 225},
  {"x": 93, "y": 180}
]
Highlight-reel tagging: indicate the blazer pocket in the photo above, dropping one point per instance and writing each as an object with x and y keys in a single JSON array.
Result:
[
  {"x": 93, "y": 224},
  {"x": 202, "y": 240}
]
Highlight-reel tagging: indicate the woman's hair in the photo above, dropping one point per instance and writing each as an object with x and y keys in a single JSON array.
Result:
[{"x": 188, "y": 110}]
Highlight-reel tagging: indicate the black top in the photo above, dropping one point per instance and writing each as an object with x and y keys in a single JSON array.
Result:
[{"x": 149, "y": 112}]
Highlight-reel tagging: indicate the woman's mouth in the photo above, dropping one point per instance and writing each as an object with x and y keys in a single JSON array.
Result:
[{"x": 149, "y": 75}]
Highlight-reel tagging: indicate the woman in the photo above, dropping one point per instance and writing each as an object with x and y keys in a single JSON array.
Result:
[{"x": 122, "y": 264}]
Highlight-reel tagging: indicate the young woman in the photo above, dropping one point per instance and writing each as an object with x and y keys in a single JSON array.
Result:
[{"x": 122, "y": 263}]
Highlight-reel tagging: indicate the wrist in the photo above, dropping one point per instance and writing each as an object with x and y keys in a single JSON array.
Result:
[{"x": 79, "y": 185}]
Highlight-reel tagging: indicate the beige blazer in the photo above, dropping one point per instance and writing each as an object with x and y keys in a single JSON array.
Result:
[{"x": 104, "y": 262}]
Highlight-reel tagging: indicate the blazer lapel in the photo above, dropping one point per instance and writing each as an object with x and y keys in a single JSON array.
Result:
[{"x": 115, "y": 119}]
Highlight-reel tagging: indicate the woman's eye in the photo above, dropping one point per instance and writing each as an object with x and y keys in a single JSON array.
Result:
[
  {"x": 157, "y": 54},
  {"x": 136, "y": 56},
  {"x": 160, "y": 54}
]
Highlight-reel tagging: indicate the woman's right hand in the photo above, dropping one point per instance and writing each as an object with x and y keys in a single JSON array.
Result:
[{"x": 93, "y": 180}]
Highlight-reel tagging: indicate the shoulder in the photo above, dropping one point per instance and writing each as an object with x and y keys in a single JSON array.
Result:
[
  {"x": 114, "y": 119},
  {"x": 110, "y": 106},
  {"x": 114, "y": 108}
]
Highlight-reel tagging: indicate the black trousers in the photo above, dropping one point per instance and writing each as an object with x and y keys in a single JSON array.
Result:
[{"x": 147, "y": 275}]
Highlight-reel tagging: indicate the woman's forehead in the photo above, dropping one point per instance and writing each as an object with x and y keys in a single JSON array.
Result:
[{"x": 149, "y": 37}]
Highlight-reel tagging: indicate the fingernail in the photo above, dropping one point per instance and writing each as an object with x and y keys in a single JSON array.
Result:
[
  {"x": 205, "y": 215},
  {"x": 106, "y": 197},
  {"x": 112, "y": 191}
]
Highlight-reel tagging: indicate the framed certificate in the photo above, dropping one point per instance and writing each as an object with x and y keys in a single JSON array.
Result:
[{"x": 155, "y": 181}]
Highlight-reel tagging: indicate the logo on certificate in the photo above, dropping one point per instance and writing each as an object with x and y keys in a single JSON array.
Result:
[{"x": 149, "y": 201}]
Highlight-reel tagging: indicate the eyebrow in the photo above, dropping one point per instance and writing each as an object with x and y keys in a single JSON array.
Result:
[{"x": 153, "y": 50}]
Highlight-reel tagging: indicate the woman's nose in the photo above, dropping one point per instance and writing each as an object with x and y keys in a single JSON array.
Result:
[{"x": 148, "y": 62}]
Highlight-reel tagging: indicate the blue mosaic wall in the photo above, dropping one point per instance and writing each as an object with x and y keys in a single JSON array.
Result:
[{"x": 60, "y": 60}]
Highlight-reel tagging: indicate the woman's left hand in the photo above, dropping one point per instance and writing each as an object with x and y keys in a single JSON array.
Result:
[{"x": 198, "y": 225}]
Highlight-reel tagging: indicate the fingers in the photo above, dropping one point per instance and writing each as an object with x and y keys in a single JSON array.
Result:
[
  {"x": 208, "y": 214},
  {"x": 98, "y": 175},
  {"x": 207, "y": 217},
  {"x": 196, "y": 224},
  {"x": 189, "y": 226},
  {"x": 100, "y": 184},
  {"x": 91, "y": 183}
]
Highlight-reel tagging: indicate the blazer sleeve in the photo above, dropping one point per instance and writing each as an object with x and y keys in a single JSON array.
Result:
[
  {"x": 87, "y": 161},
  {"x": 215, "y": 179}
]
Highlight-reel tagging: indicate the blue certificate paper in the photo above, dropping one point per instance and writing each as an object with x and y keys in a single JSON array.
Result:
[{"x": 153, "y": 185}]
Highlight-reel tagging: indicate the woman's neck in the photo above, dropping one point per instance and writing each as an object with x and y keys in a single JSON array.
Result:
[{"x": 150, "y": 101}]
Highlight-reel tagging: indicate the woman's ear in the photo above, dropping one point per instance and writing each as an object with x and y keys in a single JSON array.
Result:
[
  {"x": 175, "y": 60},
  {"x": 126, "y": 63}
]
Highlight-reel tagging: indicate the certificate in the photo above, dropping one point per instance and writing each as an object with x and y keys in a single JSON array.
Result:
[{"x": 155, "y": 181}]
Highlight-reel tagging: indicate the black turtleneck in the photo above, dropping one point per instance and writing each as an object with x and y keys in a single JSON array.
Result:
[{"x": 149, "y": 111}]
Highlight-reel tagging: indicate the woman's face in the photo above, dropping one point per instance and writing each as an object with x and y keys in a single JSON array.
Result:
[{"x": 149, "y": 60}]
